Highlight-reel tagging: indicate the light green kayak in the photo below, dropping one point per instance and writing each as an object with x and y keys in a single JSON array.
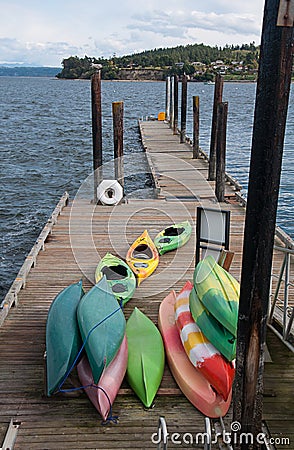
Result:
[
  {"x": 145, "y": 358},
  {"x": 102, "y": 325},
  {"x": 218, "y": 291},
  {"x": 63, "y": 340},
  {"x": 119, "y": 276},
  {"x": 214, "y": 331},
  {"x": 173, "y": 237}
]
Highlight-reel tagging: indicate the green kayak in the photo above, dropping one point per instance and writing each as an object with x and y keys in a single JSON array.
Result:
[
  {"x": 119, "y": 276},
  {"x": 218, "y": 291},
  {"x": 215, "y": 332},
  {"x": 145, "y": 358},
  {"x": 102, "y": 325},
  {"x": 63, "y": 340},
  {"x": 173, "y": 237}
]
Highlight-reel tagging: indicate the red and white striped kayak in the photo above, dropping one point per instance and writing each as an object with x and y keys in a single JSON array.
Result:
[
  {"x": 218, "y": 371},
  {"x": 189, "y": 379}
]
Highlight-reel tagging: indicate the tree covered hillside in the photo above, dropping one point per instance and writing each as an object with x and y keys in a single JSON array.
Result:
[{"x": 195, "y": 60}]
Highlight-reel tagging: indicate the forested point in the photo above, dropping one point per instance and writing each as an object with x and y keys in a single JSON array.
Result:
[{"x": 200, "y": 62}]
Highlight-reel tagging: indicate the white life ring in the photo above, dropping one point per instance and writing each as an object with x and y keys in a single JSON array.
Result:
[{"x": 109, "y": 192}]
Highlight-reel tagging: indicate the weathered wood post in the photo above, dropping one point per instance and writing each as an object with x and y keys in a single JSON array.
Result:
[
  {"x": 218, "y": 98},
  {"x": 96, "y": 129},
  {"x": 183, "y": 109},
  {"x": 118, "y": 131},
  {"x": 176, "y": 104},
  {"x": 221, "y": 135},
  {"x": 196, "y": 126},
  {"x": 272, "y": 96},
  {"x": 167, "y": 99},
  {"x": 171, "y": 121}
]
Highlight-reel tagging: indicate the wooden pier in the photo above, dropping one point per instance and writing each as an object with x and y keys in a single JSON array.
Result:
[{"x": 82, "y": 233}]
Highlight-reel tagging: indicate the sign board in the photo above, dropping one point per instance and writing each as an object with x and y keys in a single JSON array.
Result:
[{"x": 212, "y": 232}]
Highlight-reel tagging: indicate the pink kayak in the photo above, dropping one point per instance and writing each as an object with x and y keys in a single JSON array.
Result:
[
  {"x": 103, "y": 395},
  {"x": 191, "y": 382},
  {"x": 203, "y": 355}
]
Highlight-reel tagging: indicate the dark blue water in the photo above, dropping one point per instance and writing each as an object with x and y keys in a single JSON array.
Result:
[
  {"x": 241, "y": 98},
  {"x": 46, "y": 148}
]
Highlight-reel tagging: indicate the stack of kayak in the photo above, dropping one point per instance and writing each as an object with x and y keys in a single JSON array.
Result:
[
  {"x": 214, "y": 302},
  {"x": 87, "y": 330},
  {"x": 199, "y": 327}
]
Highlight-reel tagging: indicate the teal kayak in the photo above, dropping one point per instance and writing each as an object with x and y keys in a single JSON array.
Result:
[
  {"x": 102, "y": 325},
  {"x": 145, "y": 356},
  {"x": 63, "y": 340},
  {"x": 173, "y": 237},
  {"x": 214, "y": 331},
  {"x": 119, "y": 276}
]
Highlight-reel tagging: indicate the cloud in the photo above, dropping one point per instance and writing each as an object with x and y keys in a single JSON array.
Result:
[
  {"x": 180, "y": 24},
  {"x": 35, "y": 53},
  {"x": 45, "y": 33}
]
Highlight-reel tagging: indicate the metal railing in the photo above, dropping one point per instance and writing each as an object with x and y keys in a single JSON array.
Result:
[{"x": 281, "y": 313}]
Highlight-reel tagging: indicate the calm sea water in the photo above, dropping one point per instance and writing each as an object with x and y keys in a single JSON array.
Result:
[{"x": 46, "y": 148}]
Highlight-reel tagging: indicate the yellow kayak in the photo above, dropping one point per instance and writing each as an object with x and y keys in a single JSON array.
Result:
[{"x": 142, "y": 257}]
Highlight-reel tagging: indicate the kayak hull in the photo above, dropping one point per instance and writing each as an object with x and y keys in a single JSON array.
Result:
[
  {"x": 63, "y": 340},
  {"x": 103, "y": 394},
  {"x": 215, "y": 332},
  {"x": 218, "y": 291},
  {"x": 202, "y": 354},
  {"x": 102, "y": 326},
  {"x": 145, "y": 356},
  {"x": 191, "y": 382}
]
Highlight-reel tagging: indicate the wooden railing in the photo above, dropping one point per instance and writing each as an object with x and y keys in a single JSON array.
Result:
[{"x": 30, "y": 261}]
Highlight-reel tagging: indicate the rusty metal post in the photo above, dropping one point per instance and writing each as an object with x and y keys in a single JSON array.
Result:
[
  {"x": 96, "y": 129},
  {"x": 221, "y": 134},
  {"x": 272, "y": 97},
  {"x": 183, "y": 109},
  {"x": 196, "y": 126},
  {"x": 118, "y": 132},
  {"x": 218, "y": 98}
]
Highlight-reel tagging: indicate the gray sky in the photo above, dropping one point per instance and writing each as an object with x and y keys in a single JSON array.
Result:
[{"x": 38, "y": 32}]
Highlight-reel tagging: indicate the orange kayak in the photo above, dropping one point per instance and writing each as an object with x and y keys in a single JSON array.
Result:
[
  {"x": 192, "y": 383},
  {"x": 143, "y": 257},
  {"x": 203, "y": 355}
]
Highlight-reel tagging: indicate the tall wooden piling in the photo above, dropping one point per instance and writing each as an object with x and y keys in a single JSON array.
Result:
[
  {"x": 167, "y": 98},
  {"x": 176, "y": 104},
  {"x": 96, "y": 129},
  {"x": 183, "y": 109},
  {"x": 171, "y": 120},
  {"x": 195, "y": 126},
  {"x": 218, "y": 98},
  {"x": 221, "y": 135},
  {"x": 118, "y": 130},
  {"x": 272, "y": 96}
]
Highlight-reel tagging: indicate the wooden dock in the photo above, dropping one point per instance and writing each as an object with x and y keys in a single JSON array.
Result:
[{"x": 82, "y": 233}]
